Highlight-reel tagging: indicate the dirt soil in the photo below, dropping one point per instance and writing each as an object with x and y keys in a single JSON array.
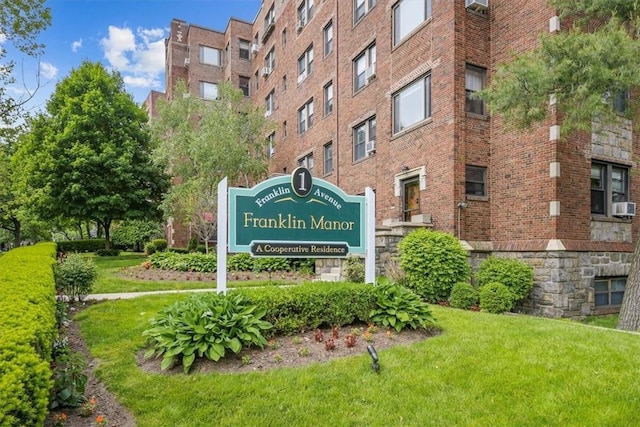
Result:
[{"x": 286, "y": 351}]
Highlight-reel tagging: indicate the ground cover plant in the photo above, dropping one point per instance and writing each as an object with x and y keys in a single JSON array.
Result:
[{"x": 484, "y": 369}]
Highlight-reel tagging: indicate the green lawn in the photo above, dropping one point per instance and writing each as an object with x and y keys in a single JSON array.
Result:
[{"x": 484, "y": 370}]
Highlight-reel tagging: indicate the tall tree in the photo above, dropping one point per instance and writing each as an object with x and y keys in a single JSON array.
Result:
[
  {"x": 595, "y": 60},
  {"x": 89, "y": 157},
  {"x": 204, "y": 141},
  {"x": 21, "y": 21}
]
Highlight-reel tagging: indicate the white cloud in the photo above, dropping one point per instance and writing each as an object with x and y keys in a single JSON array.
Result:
[
  {"x": 3, "y": 38},
  {"x": 76, "y": 45},
  {"x": 48, "y": 71},
  {"x": 138, "y": 57}
]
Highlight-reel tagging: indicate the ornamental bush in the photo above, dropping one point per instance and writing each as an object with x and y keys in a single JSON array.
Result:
[
  {"x": 354, "y": 269},
  {"x": 75, "y": 276},
  {"x": 514, "y": 274},
  {"x": 463, "y": 295},
  {"x": 495, "y": 298},
  {"x": 433, "y": 261},
  {"x": 398, "y": 307}
]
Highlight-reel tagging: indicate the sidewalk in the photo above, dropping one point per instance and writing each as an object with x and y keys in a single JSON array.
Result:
[{"x": 128, "y": 295}]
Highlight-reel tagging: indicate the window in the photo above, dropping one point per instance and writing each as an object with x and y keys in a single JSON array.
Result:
[
  {"x": 245, "y": 45},
  {"x": 305, "y": 64},
  {"x": 244, "y": 85},
  {"x": 328, "y": 38},
  {"x": 270, "y": 103},
  {"x": 474, "y": 81},
  {"x": 410, "y": 198},
  {"x": 284, "y": 37},
  {"x": 305, "y": 117},
  {"x": 257, "y": 80},
  {"x": 284, "y": 128},
  {"x": 307, "y": 162},
  {"x": 269, "y": 23},
  {"x": 208, "y": 90},
  {"x": 271, "y": 146},
  {"x": 361, "y": 8},
  {"x": 270, "y": 60},
  {"x": 609, "y": 184},
  {"x": 210, "y": 56},
  {"x": 328, "y": 98},
  {"x": 412, "y": 104},
  {"x": 364, "y": 68},
  {"x": 364, "y": 139},
  {"x": 408, "y": 15},
  {"x": 305, "y": 13},
  {"x": 328, "y": 158},
  {"x": 619, "y": 100},
  {"x": 609, "y": 291},
  {"x": 284, "y": 83},
  {"x": 475, "y": 180}
]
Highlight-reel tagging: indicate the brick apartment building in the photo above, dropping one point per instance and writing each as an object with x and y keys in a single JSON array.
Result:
[{"x": 376, "y": 93}]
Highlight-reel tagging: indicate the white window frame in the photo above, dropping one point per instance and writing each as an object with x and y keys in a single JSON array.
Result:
[
  {"x": 305, "y": 13},
  {"x": 612, "y": 185},
  {"x": 270, "y": 103},
  {"x": 419, "y": 89},
  {"x": 361, "y": 8},
  {"x": 475, "y": 80},
  {"x": 271, "y": 146},
  {"x": 305, "y": 64},
  {"x": 364, "y": 67},
  {"x": 270, "y": 59},
  {"x": 328, "y": 38},
  {"x": 407, "y": 16},
  {"x": 328, "y": 157},
  {"x": 305, "y": 117},
  {"x": 362, "y": 133},
  {"x": 244, "y": 46},
  {"x": 208, "y": 90},
  {"x": 210, "y": 56},
  {"x": 307, "y": 161},
  {"x": 328, "y": 98}
]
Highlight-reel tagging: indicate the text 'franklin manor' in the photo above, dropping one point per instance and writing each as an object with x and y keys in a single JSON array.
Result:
[{"x": 290, "y": 221}]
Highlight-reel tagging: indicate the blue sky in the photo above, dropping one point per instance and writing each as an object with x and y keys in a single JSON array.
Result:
[{"x": 127, "y": 35}]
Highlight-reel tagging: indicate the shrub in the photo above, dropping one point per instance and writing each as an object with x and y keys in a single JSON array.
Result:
[
  {"x": 354, "y": 269},
  {"x": 495, "y": 298},
  {"x": 240, "y": 262},
  {"x": 205, "y": 325},
  {"x": 463, "y": 295},
  {"x": 192, "y": 245},
  {"x": 108, "y": 252},
  {"x": 398, "y": 307},
  {"x": 150, "y": 248},
  {"x": 75, "y": 276},
  {"x": 87, "y": 245},
  {"x": 514, "y": 274},
  {"x": 69, "y": 380},
  {"x": 194, "y": 261},
  {"x": 433, "y": 262},
  {"x": 271, "y": 264},
  {"x": 133, "y": 234},
  {"x": 160, "y": 244}
]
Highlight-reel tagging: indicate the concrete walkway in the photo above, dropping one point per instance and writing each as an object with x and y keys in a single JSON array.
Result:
[{"x": 128, "y": 295}]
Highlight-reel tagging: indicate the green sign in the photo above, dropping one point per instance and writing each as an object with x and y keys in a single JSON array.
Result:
[{"x": 296, "y": 216}]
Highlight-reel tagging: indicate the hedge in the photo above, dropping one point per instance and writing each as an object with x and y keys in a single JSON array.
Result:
[
  {"x": 87, "y": 245},
  {"x": 27, "y": 330}
]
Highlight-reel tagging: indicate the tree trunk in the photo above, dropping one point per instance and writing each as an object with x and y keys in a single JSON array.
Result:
[
  {"x": 629, "y": 319},
  {"x": 17, "y": 231},
  {"x": 107, "y": 234}
]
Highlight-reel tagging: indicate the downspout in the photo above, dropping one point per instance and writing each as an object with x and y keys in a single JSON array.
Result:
[{"x": 336, "y": 155}]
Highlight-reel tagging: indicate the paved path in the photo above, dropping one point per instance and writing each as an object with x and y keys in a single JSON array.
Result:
[{"x": 127, "y": 295}]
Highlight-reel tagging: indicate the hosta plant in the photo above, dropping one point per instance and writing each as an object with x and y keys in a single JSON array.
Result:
[
  {"x": 206, "y": 326},
  {"x": 398, "y": 307}
]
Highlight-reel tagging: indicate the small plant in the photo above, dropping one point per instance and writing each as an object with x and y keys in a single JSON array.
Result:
[
  {"x": 463, "y": 295},
  {"x": 246, "y": 360},
  {"x": 354, "y": 269},
  {"x": 277, "y": 358},
  {"x": 399, "y": 307},
  {"x": 75, "y": 276},
  {"x": 372, "y": 329},
  {"x": 496, "y": 298},
  {"x": 389, "y": 334},
  {"x": 330, "y": 344},
  {"x": 350, "y": 340},
  {"x": 318, "y": 335},
  {"x": 88, "y": 407},
  {"x": 335, "y": 332},
  {"x": 146, "y": 265},
  {"x": 69, "y": 380},
  {"x": 514, "y": 274},
  {"x": 474, "y": 308},
  {"x": 272, "y": 344},
  {"x": 59, "y": 420},
  {"x": 296, "y": 340},
  {"x": 303, "y": 352},
  {"x": 367, "y": 336},
  {"x": 101, "y": 421},
  {"x": 356, "y": 331}
]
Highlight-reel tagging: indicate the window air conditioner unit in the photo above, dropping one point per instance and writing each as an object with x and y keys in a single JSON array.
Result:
[
  {"x": 301, "y": 77},
  {"x": 624, "y": 209},
  {"x": 266, "y": 71},
  {"x": 186, "y": 62},
  {"x": 254, "y": 48},
  {"x": 370, "y": 147},
  {"x": 301, "y": 24},
  {"x": 370, "y": 73},
  {"x": 477, "y": 5},
  {"x": 267, "y": 113}
]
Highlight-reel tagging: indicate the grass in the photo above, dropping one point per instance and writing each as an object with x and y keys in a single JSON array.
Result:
[
  {"x": 497, "y": 370},
  {"x": 109, "y": 282}
]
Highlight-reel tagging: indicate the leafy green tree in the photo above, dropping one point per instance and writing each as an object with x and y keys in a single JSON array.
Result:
[
  {"x": 135, "y": 233},
  {"x": 89, "y": 157},
  {"x": 580, "y": 66},
  {"x": 21, "y": 21},
  {"x": 203, "y": 142}
]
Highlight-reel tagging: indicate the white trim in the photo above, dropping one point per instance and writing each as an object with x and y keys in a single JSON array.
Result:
[
  {"x": 554, "y": 24},
  {"x": 223, "y": 212},
  {"x": 554, "y": 133},
  {"x": 554, "y": 208},
  {"x": 370, "y": 236},
  {"x": 554, "y": 170}
]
